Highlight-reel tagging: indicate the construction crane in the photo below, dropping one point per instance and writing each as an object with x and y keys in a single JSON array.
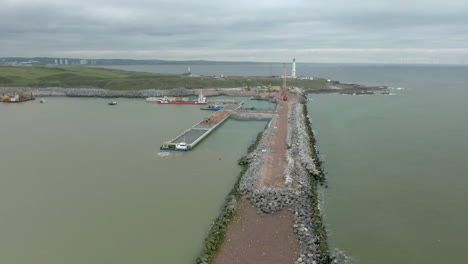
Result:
[
  {"x": 284, "y": 96},
  {"x": 284, "y": 76}
]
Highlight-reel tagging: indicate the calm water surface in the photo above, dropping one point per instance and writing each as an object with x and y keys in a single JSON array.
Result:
[
  {"x": 397, "y": 165},
  {"x": 84, "y": 182}
]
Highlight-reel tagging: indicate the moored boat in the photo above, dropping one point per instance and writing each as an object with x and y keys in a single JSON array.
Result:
[
  {"x": 212, "y": 107},
  {"x": 17, "y": 97}
]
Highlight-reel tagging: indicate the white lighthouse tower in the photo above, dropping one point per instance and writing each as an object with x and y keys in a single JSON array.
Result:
[{"x": 293, "y": 72}]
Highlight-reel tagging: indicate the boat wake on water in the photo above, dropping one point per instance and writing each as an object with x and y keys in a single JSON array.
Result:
[
  {"x": 396, "y": 88},
  {"x": 163, "y": 154}
]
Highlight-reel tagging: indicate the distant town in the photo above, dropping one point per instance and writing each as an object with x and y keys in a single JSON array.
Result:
[{"x": 50, "y": 61}]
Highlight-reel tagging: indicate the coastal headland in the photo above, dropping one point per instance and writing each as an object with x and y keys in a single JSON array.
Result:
[{"x": 100, "y": 82}]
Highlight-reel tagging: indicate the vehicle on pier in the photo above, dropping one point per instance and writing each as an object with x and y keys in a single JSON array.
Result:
[
  {"x": 182, "y": 146},
  {"x": 284, "y": 96}
]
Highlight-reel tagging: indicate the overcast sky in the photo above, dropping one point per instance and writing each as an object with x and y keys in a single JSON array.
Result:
[{"x": 383, "y": 31}]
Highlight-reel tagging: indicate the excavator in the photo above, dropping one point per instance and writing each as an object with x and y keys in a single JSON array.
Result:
[{"x": 5, "y": 98}]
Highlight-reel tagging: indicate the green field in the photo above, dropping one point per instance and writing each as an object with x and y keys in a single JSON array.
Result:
[{"x": 76, "y": 77}]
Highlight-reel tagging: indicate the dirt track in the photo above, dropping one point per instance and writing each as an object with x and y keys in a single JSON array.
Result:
[{"x": 259, "y": 239}]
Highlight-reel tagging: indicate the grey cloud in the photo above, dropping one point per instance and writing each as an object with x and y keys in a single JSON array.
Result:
[{"x": 234, "y": 29}]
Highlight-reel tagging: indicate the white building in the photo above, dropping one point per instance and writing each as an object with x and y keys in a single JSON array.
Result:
[{"x": 293, "y": 72}]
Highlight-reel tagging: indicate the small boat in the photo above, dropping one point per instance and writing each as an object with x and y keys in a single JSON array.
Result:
[
  {"x": 181, "y": 146},
  {"x": 212, "y": 107},
  {"x": 112, "y": 103},
  {"x": 42, "y": 101}
]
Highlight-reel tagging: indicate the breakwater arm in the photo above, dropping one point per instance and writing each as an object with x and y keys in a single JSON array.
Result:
[{"x": 276, "y": 194}]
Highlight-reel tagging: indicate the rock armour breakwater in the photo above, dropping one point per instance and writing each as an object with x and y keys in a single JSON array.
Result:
[
  {"x": 299, "y": 199},
  {"x": 302, "y": 174},
  {"x": 85, "y": 92}
]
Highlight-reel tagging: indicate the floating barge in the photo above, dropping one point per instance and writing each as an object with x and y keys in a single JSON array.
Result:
[
  {"x": 17, "y": 98},
  {"x": 178, "y": 100},
  {"x": 194, "y": 135}
]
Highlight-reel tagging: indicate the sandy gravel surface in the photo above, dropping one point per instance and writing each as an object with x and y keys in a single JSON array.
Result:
[{"x": 252, "y": 238}]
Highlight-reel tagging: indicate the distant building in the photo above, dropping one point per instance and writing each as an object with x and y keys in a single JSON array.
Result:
[
  {"x": 293, "y": 72},
  {"x": 83, "y": 62},
  {"x": 30, "y": 63},
  {"x": 26, "y": 63}
]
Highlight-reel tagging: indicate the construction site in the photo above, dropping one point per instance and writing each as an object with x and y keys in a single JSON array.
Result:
[
  {"x": 17, "y": 97},
  {"x": 194, "y": 135}
]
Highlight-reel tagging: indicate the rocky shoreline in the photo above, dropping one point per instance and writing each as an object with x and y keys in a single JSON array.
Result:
[
  {"x": 84, "y": 92},
  {"x": 349, "y": 88},
  {"x": 336, "y": 87}
]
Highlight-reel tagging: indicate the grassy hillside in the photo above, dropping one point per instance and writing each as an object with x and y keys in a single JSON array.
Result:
[{"x": 36, "y": 77}]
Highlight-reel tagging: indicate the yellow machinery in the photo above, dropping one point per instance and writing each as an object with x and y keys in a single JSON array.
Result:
[{"x": 19, "y": 96}]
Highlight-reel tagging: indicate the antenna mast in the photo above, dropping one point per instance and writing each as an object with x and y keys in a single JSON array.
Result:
[{"x": 284, "y": 76}]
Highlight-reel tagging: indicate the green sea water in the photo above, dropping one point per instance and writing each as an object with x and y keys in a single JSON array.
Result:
[
  {"x": 84, "y": 182},
  {"x": 397, "y": 165}
]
